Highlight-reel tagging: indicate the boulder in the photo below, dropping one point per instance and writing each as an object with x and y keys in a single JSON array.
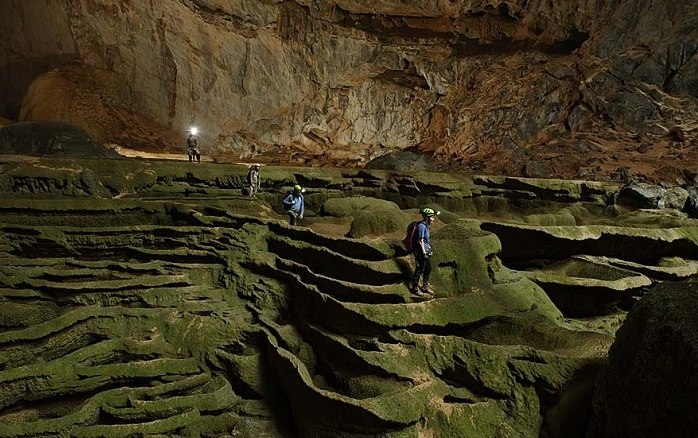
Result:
[
  {"x": 403, "y": 161},
  {"x": 649, "y": 387},
  {"x": 675, "y": 197},
  {"x": 50, "y": 138},
  {"x": 641, "y": 195}
]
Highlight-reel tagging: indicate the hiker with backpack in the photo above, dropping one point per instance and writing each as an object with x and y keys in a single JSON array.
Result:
[
  {"x": 417, "y": 242},
  {"x": 294, "y": 204}
]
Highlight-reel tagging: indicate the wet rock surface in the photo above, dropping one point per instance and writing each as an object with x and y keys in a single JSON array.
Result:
[{"x": 169, "y": 303}]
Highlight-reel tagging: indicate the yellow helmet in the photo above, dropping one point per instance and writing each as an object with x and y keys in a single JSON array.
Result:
[{"x": 429, "y": 212}]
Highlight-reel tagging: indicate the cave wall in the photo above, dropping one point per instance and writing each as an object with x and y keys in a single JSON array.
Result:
[{"x": 476, "y": 84}]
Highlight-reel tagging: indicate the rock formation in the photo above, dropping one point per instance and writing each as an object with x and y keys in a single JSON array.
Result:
[
  {"x": 50, "y": 138},
  {"x": 596, "y": 90},
  {"x": 154, "y": 298},
  {"x": 653, "y": 360}
]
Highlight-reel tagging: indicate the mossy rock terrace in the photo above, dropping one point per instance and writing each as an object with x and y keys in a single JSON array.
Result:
[{"x": 146, "y": 298}]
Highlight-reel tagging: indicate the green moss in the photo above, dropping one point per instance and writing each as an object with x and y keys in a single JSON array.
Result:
[
  {"x": 377, "y": 222},
  {"x": 461, "y": 252},
  {"x": 553, "y": 219},
  {"x": 690, "y": 233},
  {"x": 524, "y": 295},
  {"x": 342, "y": 207}
]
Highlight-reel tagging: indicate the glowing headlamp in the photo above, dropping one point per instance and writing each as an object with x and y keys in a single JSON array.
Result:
[{"x": 193, "y": 130}]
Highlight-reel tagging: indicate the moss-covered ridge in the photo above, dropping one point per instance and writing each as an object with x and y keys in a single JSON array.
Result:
[{"x": 175, "y": 305}]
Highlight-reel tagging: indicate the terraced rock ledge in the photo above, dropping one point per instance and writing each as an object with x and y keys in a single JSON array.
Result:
[{"x": 157, "y": 299}]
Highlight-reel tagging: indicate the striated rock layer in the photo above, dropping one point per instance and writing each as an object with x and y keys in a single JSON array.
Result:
[
  {"x": 154, "y": 298},
  {"x": 589, "y": 89}
]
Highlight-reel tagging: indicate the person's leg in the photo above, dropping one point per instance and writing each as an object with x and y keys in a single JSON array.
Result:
[
  {"x": 426, "y": 287},
  {"x": 419, "y": 260},
  {"x": 427, "y": 269},
  {"x": 292, "y": 218}
]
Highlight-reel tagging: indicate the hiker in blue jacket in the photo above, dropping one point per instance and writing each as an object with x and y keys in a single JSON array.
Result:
[
  {"x": 294, "y": 204},
  {"x": 422, "y": 254}
]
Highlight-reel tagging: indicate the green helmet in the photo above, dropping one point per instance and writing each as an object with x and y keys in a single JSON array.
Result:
[
  {"x": 297, "y": 189},
  {"x": 429, "y": 212}
]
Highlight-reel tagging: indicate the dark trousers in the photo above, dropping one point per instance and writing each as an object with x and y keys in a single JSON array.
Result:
[
  {"x": 423, "y": 268},
  {"x": 292, "y": 217},
  {"x": 194, "y": 154}
]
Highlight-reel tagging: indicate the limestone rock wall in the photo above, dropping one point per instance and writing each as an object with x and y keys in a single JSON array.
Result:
[{"x": 492, "y": 86}]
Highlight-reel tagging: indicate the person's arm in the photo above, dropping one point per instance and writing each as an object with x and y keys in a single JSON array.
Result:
[
  {"x": 422, "y": 234},
  {"x": 288, "y": 201}
]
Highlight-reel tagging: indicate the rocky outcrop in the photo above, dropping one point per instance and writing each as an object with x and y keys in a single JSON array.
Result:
[
  {"x": 584, "y": 286},
  {"x": 525, "y": 244},
  {"x": 228, "y": 324},
  {"x": 644, "y": 195},
  {"x": 592, "y": 89},
  {"x": 654, "y": 360},
  {"x": 50, "y": 138},
  {"x": 154, "y": 297}
]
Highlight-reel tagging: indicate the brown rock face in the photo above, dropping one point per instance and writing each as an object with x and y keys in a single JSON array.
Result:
[{"x": 587, "y": 89}]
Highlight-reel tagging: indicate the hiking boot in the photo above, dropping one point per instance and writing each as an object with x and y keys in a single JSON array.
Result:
[
  {"x": 413, "y": 286},
  {"x": 426, "y": 289}
]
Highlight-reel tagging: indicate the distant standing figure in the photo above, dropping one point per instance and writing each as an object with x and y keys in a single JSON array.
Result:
[
  {"x": 422, "y": 254},
  {"x": 253, "y": 179},
  {"x": 193, "y": 148},
  {"x": 294, "y": 204}
]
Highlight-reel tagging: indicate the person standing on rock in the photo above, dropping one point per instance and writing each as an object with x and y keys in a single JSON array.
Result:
[
  {"x": 422, "y": 254},
  {"x": 294, "y": 204},
  {"x": 193, "y": 146},
  {"x": 253, "y": 179}
]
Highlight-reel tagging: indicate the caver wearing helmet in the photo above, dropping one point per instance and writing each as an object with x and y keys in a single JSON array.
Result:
[
  {"x": 193, "y": 146},
  {"x": 253, "y": 179},
  {"x": 422, "y": 254},
  {"x": 429, "y": 212},
  {"x": 294, "y": 204}
]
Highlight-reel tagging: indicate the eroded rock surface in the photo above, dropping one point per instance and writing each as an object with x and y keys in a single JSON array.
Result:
[
  {"x": 653, "y": 360},
  {"x": 172, "y": 304},
  {"x": 594, "y": 90},
  {"x": 50, "y": 138}
]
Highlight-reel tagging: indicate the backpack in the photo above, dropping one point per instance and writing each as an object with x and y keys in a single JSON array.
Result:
[{"x": 410, "y": 240}]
